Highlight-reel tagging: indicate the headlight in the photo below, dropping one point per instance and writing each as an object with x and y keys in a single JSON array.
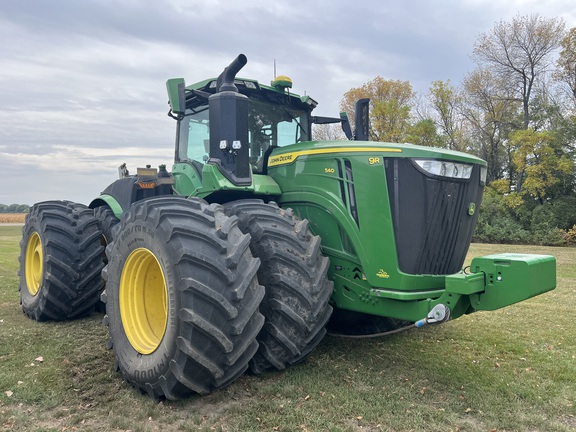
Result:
[{"x": 445, "y": 169}]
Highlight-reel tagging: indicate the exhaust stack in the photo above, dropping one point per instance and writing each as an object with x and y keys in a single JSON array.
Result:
[{"x": 228, "y": 115}]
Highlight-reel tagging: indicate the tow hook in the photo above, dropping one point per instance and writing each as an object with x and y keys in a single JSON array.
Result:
[{"x": 438, "y": 315}]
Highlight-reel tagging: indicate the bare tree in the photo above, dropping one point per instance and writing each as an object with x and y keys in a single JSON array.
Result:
[
  {"x": 566, "y": 65},
  {"x": 491, "y": 113},
  {"x": 327, "y": 132},
  {"x": 445, "y": 100},
  {"x": 519, "y": 52}
]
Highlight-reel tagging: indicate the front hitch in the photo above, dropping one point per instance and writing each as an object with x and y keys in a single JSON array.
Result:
[{"x": 496, "y": 281}]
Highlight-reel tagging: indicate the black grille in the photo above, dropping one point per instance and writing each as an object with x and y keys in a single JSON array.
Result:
[{"x": 432, "y": 224}]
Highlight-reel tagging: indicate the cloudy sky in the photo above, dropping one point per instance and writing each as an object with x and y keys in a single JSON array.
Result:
[{"x": 82, "y": 82}]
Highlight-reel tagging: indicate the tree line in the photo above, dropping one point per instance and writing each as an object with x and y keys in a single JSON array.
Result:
[
  {"x": 516, "y": 110},
  {"x": 14, "y": 208}
]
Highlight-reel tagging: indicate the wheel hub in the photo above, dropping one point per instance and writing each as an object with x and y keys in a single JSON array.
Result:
[
  {"x": 143, "y": 301},
  {"x": 34, "y": 264}
]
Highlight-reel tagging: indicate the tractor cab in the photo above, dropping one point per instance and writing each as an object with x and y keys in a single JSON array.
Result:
[
  {"x": 228, "y": 129},
  {"x": 235, "y": 123},
  {"x": 275, "y": 118}
]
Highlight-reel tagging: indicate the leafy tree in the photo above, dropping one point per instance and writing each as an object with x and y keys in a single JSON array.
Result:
[
  {"x": 510, "y": 198},
  {"x": 538, "y": 164},
  {"x": 552, "y": 115},
  {"x": 424, "y": 132},
  {"x": 509, "y": 113},
  {"x": 496, "y": 223},
  {"x": 390, "y": 105},
  {"x": 566, "y": 65},
  {"x": 14, "y": 208},
  {"x": 519, "y": 52}
]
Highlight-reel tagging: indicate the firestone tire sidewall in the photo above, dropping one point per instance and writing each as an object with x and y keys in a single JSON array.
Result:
[{"x": 139, "y": 368}]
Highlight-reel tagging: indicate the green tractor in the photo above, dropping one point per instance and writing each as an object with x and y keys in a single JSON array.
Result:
[{"x": 260, "y": 239}]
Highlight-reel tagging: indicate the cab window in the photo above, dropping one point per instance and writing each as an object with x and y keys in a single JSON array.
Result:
[{"x": 269, "y": 125}]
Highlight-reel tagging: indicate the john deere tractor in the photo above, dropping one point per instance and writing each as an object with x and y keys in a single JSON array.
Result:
[{"x": 260, "y": 238}]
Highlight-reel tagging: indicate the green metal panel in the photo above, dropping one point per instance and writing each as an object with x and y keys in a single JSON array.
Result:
[
  {"x": 511, "y": 278},
  {"x": 309, "y": 177},
  {"x": 186, "y": 178},
  {"x": 362, "y": 251},
  {"x": 188, "y": 182}
]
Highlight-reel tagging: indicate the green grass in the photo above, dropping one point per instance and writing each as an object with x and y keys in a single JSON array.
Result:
[{"x": 512, "y": 369}]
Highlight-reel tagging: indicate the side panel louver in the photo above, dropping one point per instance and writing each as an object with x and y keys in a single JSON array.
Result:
[{"x": 347, "y": 191}]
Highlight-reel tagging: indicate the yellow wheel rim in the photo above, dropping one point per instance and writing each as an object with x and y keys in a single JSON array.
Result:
[
  {"x": 143, "y": 301},
  {"x": 34, "y": 264}
]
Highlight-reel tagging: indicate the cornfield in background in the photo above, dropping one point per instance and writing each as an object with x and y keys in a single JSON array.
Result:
[{"x": 12, "y": 217}]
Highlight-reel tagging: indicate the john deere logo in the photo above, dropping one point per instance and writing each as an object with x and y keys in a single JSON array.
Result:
[
  {"x": 382, "y": 274},
  {"x": 277, "y": 160},
  {"x": 471, "y": 209}
]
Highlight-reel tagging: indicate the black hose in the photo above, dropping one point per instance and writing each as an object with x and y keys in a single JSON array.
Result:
[{"x": 374, "y": 335}]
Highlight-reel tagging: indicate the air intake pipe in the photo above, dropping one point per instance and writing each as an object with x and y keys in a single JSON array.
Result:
[{"x": 225, "y": 81}]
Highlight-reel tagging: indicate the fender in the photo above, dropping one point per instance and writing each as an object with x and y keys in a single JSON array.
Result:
[
  {"x": 108, "y": 200},
  {"x": 122, "y": 193}
]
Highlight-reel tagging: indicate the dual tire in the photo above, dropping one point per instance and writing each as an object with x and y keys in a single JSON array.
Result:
[
  {"x": 294, "y": 274},
  {"x": 60, "y": 261},
  {"x": 184, "y": 306}
]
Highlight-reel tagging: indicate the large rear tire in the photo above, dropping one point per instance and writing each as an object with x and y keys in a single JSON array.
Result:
[
  {"x": 182, "y": 297},
  {"x": 294, "y": 274},
  {"x": 60, "y": 261}
]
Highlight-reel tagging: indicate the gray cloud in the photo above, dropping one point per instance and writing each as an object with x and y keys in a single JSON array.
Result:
[{"x": 82, "y": 83}]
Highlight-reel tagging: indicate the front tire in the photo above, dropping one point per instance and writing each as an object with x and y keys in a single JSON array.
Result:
[
  {"x": 294, "y": 274},
  {"x": 60, "y": 262},
  {"x": 182, "y": 297}
]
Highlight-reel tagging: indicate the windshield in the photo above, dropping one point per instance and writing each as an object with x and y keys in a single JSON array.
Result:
[{"x": 269, "y": 125}]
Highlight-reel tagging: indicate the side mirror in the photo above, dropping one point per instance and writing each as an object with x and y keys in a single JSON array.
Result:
[
  {"x": 346, "y": 125},
  {"x": 362, "y": 120},
  {"x": 176, "y": 95}
]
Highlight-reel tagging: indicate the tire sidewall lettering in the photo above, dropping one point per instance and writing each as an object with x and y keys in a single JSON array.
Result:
[{"x": 144, "y": 368}]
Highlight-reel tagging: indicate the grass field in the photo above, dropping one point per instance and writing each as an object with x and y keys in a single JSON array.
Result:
[{"x": 509, "y": 370}]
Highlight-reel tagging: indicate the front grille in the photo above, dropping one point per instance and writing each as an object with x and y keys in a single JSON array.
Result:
[{"x": 432, "y": 225}]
